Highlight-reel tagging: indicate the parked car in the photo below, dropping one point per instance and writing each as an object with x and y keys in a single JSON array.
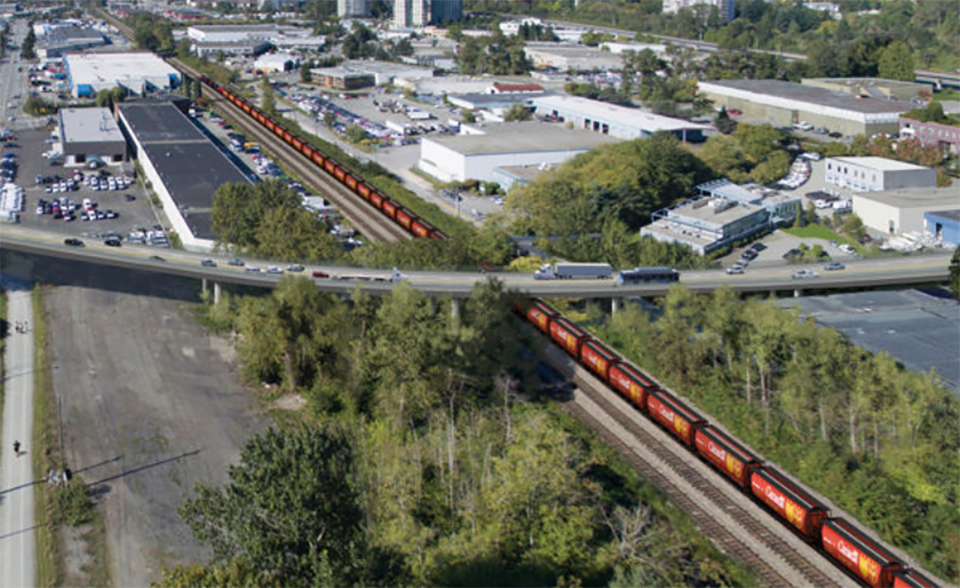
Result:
[
  {"x": 72, "y": 242},
  {"x": 834, "y": 266},
  {"x": 835, "y": 135},
  {"x": 758, "y": 247},
  {"x": 112, "y": 243},
  {"x": 847, "y": 249},
  {"x": 804, "y": 274},
  {"x": 793, "y": 253},
  {"x": 735, "y": 270}
]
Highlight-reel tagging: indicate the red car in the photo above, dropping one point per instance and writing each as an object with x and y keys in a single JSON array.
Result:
[
  {"x": 734, "y": 111},
  {"x": 318, "y": 274}
]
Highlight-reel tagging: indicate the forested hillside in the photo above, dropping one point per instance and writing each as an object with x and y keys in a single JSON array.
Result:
[
  {"x": 423, "y": 456},
  {"x": 880, "y": 441}
]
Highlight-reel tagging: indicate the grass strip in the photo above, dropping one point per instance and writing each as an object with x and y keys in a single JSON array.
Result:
[{"x": 45, "y": 452}]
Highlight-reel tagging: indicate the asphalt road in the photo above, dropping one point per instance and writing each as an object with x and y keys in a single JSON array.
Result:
[
  {"x": 763, "y": 278},
  {"x": 151, "y": 407},
  {"x": 17, "y": 537}
]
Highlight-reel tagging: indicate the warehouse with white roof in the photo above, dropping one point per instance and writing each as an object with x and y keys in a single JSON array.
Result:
[
  {"x": 478, "y": 157},
  {"x": 90, "y": 133},
  {"x": 137, "y": 72},
  {"x": 785, "y": 104},
  {"x": 617, "y": 121},
  {"x": 870, "y": 174}
]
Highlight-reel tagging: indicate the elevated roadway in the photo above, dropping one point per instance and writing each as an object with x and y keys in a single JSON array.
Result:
[{"x": 897, "y": 271}]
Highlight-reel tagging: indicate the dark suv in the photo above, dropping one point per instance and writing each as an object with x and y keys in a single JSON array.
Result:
[
  {"x": 72, "y": 242},
  {"x": 112, "y": 243}
]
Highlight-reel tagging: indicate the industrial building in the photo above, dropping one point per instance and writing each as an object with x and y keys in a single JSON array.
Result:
[
  {"x": 341, "y": 78},
  {"x": 385, "y": 73},
  {"x": 725, "y": 7},
  {"x": 136, "y": 72},
  {"x": 917, "y": 329},
  {"x": 870, "y": 174},
  {"x": 488, "y": 101},
  {"x": 209, "y": 40},
  {"x": 784, "y": 104},
  {"x": 60, "y": 40},
  {"x": 476, "y": 157},
  {"x": 571, "y": 57},
  {"x": 353, "y": 8},
  {"x": 277, "y": 62},
  {"x": 618, "y": 121},
  {"x": 943, "y": 226},
  {"x": 879, "y": 88},
  {"x": 944, "y": 137},
  {"x": 722, "y": 214},
  {"x": 88, "y": 134},
  {"x": 901, "y": 211},
  {"x": 183, "y": 166}
]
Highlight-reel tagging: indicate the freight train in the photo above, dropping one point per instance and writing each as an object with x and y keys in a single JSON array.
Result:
[
  {"x": 783, "y": 498},
  {"x": 393, "y": 210}
]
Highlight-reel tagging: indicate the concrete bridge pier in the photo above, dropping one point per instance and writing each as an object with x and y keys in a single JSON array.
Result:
[
  {"x": 216, "y": 293},
  {"x": 455, "y": 310},
  {"x": 204, "y": 287},
  {"x": 797, "y": 293},
  {"x": 614, "y": 305}
]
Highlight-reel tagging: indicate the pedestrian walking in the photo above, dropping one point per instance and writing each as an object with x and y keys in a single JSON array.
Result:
[{"x": 16, "y": 448}]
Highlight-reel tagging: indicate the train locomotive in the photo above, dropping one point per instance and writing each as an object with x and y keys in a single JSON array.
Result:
[
  {"x": 783, "y": 498},
  {"x": 412, "y": 223}
]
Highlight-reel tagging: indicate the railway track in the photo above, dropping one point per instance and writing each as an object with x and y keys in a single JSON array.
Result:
[
  {"x": 366, "y": 219},
  {"x": 729, "y": 518}
]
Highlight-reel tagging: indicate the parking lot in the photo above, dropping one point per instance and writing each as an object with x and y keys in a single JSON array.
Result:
[{"x": 130, "y": 206}]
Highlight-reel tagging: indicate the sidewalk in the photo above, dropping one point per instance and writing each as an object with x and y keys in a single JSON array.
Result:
[{"x": 17, "y": 537}]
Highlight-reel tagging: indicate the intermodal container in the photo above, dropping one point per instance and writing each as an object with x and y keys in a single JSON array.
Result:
[
  {"x": 351, "y": 182},
  {"x": 568, "y": 335},
  {"x": 421, "y": 229},
  {"x": 911, "y": 579},
  {"x": 540, "y": 314},
  {"x": 389, "y": 208},
  {"x": 376, "y": 199},
  {"x": 870, "y": 562},
  {"x": 403, "y": 218},
  {"x": 677, "y": 417},
  {"x": 598, "y": 358},
  {"x": 789, "y": 501},
  {"x": 726, "y": 455},
  {"x": 630, "y": 383}
]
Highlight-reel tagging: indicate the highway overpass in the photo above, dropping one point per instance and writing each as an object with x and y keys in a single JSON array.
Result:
[{"x": 895, "y": 271}]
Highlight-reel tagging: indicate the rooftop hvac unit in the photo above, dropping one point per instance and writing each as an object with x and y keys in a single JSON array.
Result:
[{"x": 720, "y": 204}]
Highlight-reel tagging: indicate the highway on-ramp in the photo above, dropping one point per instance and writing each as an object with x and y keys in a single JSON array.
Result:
[{"x": 892, "y": 271}]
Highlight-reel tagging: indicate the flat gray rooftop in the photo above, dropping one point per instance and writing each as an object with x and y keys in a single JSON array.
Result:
[
  {"x": 812, "y": 95},
  {"x": 159, "y": 121},
  {"x": 526, "y": 137},
  {"x": 919, "y": 330}
]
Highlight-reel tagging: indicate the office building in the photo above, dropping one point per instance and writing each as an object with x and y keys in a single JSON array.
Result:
[
  {"x": 895, "y": 212},
  {"x": 90, "y": 133},
  {"x": 725, "y": 7},
  {"x": 353, "y": 8},
  {"x": 870, "y": 174}
]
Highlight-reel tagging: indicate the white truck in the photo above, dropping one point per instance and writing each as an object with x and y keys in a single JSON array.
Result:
[{"x": 566, "y": 270}]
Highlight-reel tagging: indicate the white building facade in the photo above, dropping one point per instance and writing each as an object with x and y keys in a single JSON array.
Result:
[
  {"x": 726, "y": 7},
  {"x": 873, "y": 174}
]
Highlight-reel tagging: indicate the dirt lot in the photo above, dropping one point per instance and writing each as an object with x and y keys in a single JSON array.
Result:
[{"x": 151, "y": 407}]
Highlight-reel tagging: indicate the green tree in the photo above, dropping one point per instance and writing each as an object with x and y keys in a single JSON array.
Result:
[
  {"x": 290, "y": 510},
  {"x": 955, "y": 273},
  {"x": 268, "y": 100},
  {"x": 305, "y": 76},
  {"x": 356, "y": 134},
  {"x": 518, "y": 112},
  {"x": 27, "y": 48},
  {"x": 896, "y": 62}
]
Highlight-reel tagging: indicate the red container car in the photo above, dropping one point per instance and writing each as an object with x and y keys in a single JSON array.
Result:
[
  {"x": 789, "y": 501},
  {"x": 598, "y": 358},
  {"x": 403, "y": 218},
  {"x": 317, "y": 158},
  {"x": 389, "y": 208},
  {"x": 677, "y": 417},
  {"x": 630, "y": 383},
  {"x": 911, "y": 579},
  {"x": 422, "y": 229},
  {"x": 870, "y": 562},
  {"x": 726, "y": 455},
  {"x": 568, "y": 335},
  {"x": 376, "y": 199},
  {"x": 540, "y": 314},
  {"x": 351, "y": 182},
  {"x": 329, "y": 166}
]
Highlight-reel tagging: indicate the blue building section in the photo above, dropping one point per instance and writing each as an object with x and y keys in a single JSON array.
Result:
[{"x": 944, "y": 226}]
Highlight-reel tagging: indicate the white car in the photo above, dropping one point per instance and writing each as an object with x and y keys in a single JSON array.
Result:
[
  {"x": 803, "y": 274},
  {"x": 847, "y": 249}
]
